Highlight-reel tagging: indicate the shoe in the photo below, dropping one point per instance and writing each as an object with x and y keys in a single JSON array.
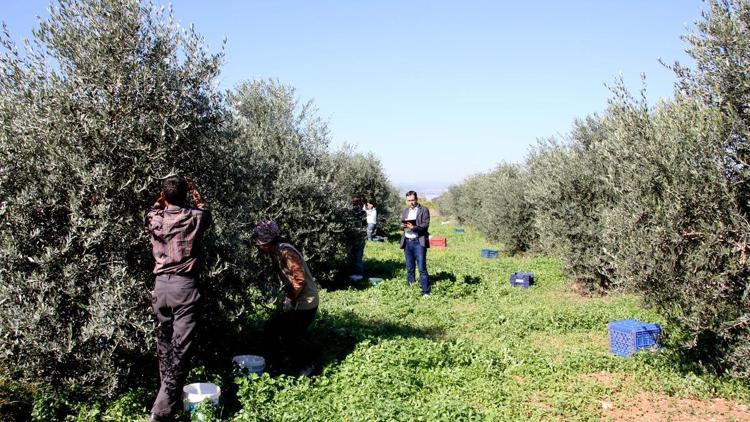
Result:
[{"x": 425, "y": 295}]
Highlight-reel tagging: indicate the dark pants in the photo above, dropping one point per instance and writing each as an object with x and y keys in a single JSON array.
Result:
[
  {"x": 174, "y": 300},
  {"x": 356, "y": 258},
  {"x": 284, "y": 339},
  {"x": 414, "y": 252}
]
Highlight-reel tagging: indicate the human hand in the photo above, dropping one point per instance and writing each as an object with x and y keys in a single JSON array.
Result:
[{"x": 195, "y": 194}]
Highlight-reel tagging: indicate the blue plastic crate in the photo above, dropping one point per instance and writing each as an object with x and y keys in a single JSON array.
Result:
[
  {"x": 522, "y": 279},
  {"x": 489, "y": 253},
  {"x": 628, "y": 336},
  {"x": 458, "y": 230}
]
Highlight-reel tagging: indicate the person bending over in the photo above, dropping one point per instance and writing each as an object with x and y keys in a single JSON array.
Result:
[{"x": 286, "y": 328}]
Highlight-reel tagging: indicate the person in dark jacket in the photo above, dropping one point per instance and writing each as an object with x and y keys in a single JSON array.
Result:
[
  {"x": 357, "y": 248},
  {"x": 176, "y": 232},
  {"x": 415, "y": 222}
]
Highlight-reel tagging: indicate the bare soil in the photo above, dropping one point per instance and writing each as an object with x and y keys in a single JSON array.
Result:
[{"x": 660, "y": 407}]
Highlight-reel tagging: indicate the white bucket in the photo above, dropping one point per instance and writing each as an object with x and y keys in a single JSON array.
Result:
[
  {"x": 249, "y": 364},
  {"x": 193, "y": 394},
  {"x": 374, "y": 281}
]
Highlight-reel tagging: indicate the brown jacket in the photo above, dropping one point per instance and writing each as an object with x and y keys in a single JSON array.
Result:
[{"x": 299, "y": 284}]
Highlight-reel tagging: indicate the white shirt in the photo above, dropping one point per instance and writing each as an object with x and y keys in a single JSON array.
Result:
[
  {"x": 372, "y": 216},
  {"x": 410, "y": 234}
]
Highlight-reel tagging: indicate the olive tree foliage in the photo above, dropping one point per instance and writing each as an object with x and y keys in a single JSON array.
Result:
[
  {"x": 297, "y": 188},
  {"x": 459, "y": 200},
  {"x": 505, "y": 215},
  {"x": 363, "y": 175},
  {"x": 306, "y": 187},
  {"x": 720, "y": 47},
  {"x": 496, "y": 204},
  {"x": 567, "y": 188},
  {"x": 108, "y": 96},
  {"x": 679, "y": 234}
]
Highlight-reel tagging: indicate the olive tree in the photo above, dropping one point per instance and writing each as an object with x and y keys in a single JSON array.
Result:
[
  {"x": 569, "y": 192},
  {"x": 108, "y": 96}
]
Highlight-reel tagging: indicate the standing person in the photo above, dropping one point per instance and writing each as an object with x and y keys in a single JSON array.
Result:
[
  {"x": 415, "y": 222},
  {"x": 357, "y": 247},
  {"x": 176, "y": 232},
  {"x": 285, "y": 329},
  {"x": 372, "y": 219}
]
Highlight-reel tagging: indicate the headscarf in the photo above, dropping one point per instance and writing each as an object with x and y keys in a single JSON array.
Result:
[{"x": 265, "y": 232}]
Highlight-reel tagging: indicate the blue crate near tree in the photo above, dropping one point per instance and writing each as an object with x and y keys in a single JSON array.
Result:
[
  {"x": 522, "y": 279},
  {"x": 458, "y": 230},
  {"x": 629, "y": 336},
  {"x": 489, "y": 253}
]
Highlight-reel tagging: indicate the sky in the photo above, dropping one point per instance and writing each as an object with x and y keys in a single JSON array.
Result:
[{"x": 438, "y": 90}]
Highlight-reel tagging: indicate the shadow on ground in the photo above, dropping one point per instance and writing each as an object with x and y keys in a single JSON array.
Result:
[
  {"x": 328, "y": 341},
  {"x": 469, "y": 279},
  {"x": 385, "y": 269},
  {"x": 442, "y": 276},
  {"x": 335, "y": 335}
]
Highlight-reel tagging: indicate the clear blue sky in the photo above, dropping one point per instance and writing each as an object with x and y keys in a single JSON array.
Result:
[{"x": 439, "y": 90}]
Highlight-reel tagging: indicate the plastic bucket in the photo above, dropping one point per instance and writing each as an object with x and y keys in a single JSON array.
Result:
[
  {"x": 193, "y": 394},
  {"x": 246, "y": 364},
  {"x": 374, "y": 281}
]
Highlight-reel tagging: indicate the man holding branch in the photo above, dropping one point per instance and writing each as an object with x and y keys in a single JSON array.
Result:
[{"x": 176, "y": 232}]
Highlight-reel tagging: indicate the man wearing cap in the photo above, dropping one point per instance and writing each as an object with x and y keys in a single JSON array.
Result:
[
  {"x": 176, "y": 232},
  {"x": 415, "y": 222},
  {"x": 285, "y": 329}
]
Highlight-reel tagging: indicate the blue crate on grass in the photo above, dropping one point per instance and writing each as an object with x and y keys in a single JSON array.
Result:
[
  {"x": 458, "y": 230},
  {"x": 628, "y": 336},
  {"x": 522, "y": 279},
  {"x": 489, "y": 253}
]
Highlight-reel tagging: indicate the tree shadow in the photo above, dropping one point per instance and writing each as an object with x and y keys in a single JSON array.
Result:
[
  {"x": 442, "y": 276},
  {"x": 378, "y": 268},
  {"x": 470, "y": 279},
  {"x": 335, "y": 335},
  {"x": 331, "y": 338},
  {"x": 386, "y": 269}
]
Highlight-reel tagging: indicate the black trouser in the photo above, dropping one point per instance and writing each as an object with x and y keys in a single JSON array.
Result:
[
  {"x": 174, "y": 300},
  {"x": 284, "y": 334}
]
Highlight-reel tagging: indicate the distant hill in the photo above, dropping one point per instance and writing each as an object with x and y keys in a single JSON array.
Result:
[{"x": 427, "y": 191}]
